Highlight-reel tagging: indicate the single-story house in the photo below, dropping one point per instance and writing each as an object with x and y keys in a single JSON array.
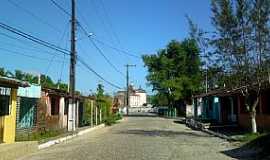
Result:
[
  {"x": 27, "y": 101},
  {"x": 223, "y": 106},
  {"x": 8, "y": 102},
  {"x": 53, "y": 109}
]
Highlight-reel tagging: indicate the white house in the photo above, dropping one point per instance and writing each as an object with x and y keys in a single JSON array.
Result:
[{"x": 137, "y": 97}]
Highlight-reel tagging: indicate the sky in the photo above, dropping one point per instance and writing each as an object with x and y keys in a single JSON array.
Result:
[{"x": 136, "y": 26}]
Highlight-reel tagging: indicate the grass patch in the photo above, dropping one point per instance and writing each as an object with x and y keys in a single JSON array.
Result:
[
  {"x": 248, "y": 137},
  {"x": 40, "y": 136},
  {"x": 112, "y": 119}
]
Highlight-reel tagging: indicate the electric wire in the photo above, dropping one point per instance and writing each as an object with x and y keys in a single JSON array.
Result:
[
  {"x": 34, "y": 15},
  {"x": 33, "y": 38},
  {"x": 101, "y": 52},
  {"x": 97, "y": 74}
]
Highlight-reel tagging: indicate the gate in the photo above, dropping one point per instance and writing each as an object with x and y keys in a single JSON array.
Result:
[{"x": 27, "y": 112}]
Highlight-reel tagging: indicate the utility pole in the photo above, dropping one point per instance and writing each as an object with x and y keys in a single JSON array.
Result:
[
  {"x": 72, "y": 104},
  {"x": 127, "y": 94}
]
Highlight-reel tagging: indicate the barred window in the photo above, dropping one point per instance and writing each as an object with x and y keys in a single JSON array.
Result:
[
  {"x": 4, "y": 101},
  {"x": 4, "y": 105}
]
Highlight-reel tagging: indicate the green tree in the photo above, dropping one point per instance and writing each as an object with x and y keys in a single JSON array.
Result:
[
  {"x": 46, "y": 81},
  {"x": 174, "y": 72},
  {"x": 2, "y": 72},
  {"x": 19, "y": 74}
]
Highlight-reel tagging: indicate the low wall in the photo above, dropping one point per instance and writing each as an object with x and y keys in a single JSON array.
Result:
[
  {"x": 17, "y": 150},
  {"x": 263, "y": 121},
  {"x": 52, "y": 122}
]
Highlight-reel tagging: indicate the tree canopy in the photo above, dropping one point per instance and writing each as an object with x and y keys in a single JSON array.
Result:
[{"x": 174, "y": 72}]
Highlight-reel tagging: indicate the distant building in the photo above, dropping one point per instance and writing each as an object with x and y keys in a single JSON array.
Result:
[{"x": 137, "y": 97}]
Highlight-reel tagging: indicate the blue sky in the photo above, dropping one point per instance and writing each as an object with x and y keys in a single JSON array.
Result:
[{"x": 137, "y": 26}]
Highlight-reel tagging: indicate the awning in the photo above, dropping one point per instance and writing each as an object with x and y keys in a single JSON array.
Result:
[{"x": 12, "y": 83}]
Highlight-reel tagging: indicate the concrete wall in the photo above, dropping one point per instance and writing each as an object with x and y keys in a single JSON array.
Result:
[
  {"x": 62, "y": 116},
  {"x": 137, "y": 99},
  {"x": 189, "y": 111},
  {"x": 58, "y": 121}
]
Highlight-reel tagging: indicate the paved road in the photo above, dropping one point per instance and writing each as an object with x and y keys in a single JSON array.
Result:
[{"x": 139, "y": 138}]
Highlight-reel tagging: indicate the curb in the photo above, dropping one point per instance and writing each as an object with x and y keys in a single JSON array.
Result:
[
  {"x": 191, "y": 123},
  {"x": 63, "y": 139},
  {"x": 219, "y": 135}
]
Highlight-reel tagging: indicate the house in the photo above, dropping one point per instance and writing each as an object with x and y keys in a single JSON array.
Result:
[
  {"x": 224, "y": 107},
  {"x": 217, "y": 107},
  {"x": 27, "y": 103},
  {"x": 54, "y": 108},
  {"x": 137, "y": 98},
  {"x": 8, "y": 102}
]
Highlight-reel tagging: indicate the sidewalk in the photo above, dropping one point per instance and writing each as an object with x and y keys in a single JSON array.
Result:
[
  {"x": 65, "y": 138},
  {"x": 79, "y": 132},
  {"x": 16, "y": 150}
]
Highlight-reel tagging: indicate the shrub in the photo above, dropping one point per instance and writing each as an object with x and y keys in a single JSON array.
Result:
[
  {"x": 110, "y": 120},
  {"x": 38, "y": 135}
]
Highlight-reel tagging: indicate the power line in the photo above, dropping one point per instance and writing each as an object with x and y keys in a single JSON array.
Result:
[
  {"x": 101, "y": 18},
  {"x": 34, "y": 39},
  {"x": 80, "y": 60},
  {"x": 116, "y": 49},
  {"x": 35, "y": 49},
  {"x": 60, "y": 7},
  {"x": 98, "y": 75},
  {"x": 49, "y": 65},
  {"x": 25, "y": 55},
  {"x": 99, "y": 41},
  {"x": 110, "y": 22},
  {"x": 33, "y": 15},
  {"x": 101, "y": 52},
  {"x": 62, "y": 66}
]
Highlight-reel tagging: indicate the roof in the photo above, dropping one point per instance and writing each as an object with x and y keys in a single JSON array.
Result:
[
  {"x": 140, "y": 90},
  {"x": 218, "y": 92},
  {"x": 12, "y": 83},
  {"x": 55, "y": 91},
  {"x": 229, "y": 92}
]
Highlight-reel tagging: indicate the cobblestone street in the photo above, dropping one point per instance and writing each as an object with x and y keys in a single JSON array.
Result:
[{"x": 139, "y": 138}]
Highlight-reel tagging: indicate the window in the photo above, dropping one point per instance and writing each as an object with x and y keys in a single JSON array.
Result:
[
  {"x": 4, "y": 105},
  {"x": 4, "y": 101},
  {"x": 66, "y": 106},
  {"x": 54, "y": 106}
]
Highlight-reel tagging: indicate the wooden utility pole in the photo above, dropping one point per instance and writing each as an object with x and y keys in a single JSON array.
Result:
[
  {"x": 127, "y": 93},
  {"x": 72, "y": 104}
]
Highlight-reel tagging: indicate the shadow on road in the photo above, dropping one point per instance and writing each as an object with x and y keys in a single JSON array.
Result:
[
  {"x": 163, "y": 133},
  {"x": 179, "y": 121},
  {"x": 256, "y": 149}
]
